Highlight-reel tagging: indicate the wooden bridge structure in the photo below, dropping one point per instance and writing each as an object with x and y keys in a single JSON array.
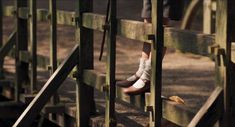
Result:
[{"x": 22, "y": 46}]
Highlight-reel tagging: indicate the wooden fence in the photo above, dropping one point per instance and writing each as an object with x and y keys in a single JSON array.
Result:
[{"x": 219, "y": 106}]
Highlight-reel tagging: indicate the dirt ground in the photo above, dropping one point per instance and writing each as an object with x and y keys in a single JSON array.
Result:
[{"x": 186, "y": 75}]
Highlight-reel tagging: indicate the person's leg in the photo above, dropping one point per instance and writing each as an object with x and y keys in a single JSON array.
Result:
[
  {"x": 146, "y": 46},
  {"x": 144, "y": 56},
  {"x": 143, "y": 83}
]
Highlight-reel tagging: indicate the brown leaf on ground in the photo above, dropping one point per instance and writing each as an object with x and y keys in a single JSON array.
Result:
[{"x": 177, "y": 99}]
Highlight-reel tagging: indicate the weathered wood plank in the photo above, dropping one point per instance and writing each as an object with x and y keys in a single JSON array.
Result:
[
  {"x": 186, "y": 41},
  {"x": 42, "y": 61},
  {"x": 136, "y": 100},
  {"x": 209, "y": 114},
  {"x": 174, "y": 38},
  {"x": 66, "y": 18},
  {"x": 183, "y": 40},
  {"x": 23, "y": 12},
  {"x": 25, "y": 56},
  {"x": 96, "y": 21},
  {"x": 171, "y": 111},
  {"x": 8, "y": 10},
  {"x": 94, "y": 79}
]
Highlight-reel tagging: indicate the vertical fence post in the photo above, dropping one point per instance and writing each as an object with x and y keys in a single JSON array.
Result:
[
  {"x": 1, "y": 38},
  {"x": 33, "y": 43},
  {"x": 225, "y": 31},
  {"x": 84, "y": 37},
  {"x": 157, "y": 53},
  {"x": 110, "y": 90},
  {"x": 53, "y": 41},
  {"x": 53, "y": 46},
  {"x": 1, "y": 29},
  {"x": 21, "y": 45},
  {"x": 53, "y": 35},
  {"x": 208, "y": 20}
]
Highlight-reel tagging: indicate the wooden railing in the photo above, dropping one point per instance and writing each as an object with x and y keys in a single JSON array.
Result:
[{"x": 81, "y": 57}]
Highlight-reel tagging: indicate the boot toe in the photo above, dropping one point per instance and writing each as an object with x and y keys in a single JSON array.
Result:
[
  {"x": 135, "y": 91},
  {"x": 125, "y": 83}
]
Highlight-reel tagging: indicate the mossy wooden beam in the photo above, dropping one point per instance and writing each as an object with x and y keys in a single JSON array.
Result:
[
  {"x": 184, "y": 40},
  {"x": 25, "y": 56},
  {"x": 176, "y": 113},
  {"x": 42, "y": 61},
  {"x": 136, "y": 100},
  {"x": 63, "y": 17},
  {"x": 94, "y": 79},
  {"x": 188, "y": 41},
  {"x": 8, "y": 10},
  {"x": 66, "y": 18}
]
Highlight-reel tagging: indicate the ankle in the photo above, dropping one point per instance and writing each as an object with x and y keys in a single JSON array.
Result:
[{"x": 147, "y": 71}]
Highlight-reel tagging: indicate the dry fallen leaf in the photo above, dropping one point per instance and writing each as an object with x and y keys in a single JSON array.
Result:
[{"x": 177, "y": 99}]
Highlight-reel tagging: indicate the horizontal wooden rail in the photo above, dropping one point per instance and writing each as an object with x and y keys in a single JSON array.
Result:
[
  {"x": 8, "y": 49},
  {"x": 183, "y": 40},
  {"x": 178, "y": 114},
  {"x": 94, "y": 79},
  {"x": 42, "y": 61}
]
